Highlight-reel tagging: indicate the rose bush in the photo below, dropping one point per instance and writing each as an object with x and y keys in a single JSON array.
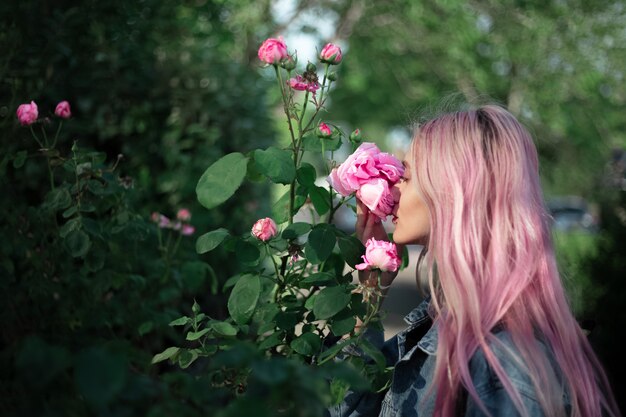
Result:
[{"x": 294, "y": 297}]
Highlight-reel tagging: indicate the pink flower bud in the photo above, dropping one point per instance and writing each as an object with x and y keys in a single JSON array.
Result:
[
  {"x": 188, "y": 230},
  {"x": 183, "y": 215},
  {"x": 162, "y": 221},
  {"x": 380, "y": 254},
  {"x": 272, "y": 51},
  {"x": 264, "y": 229},
  {"x": 331, "y": 54},
  {"x": 355, "y": 136},
  {"x": 27, "y": 113},
  {"x": 63, "y": 110},
  {"x": 323, "y": 131}
]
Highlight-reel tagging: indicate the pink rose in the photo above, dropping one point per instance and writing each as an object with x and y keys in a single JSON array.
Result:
[
  {"x": 359, "y": 168},
  {"x": 188, "y": 230},
  {"x": 380, "y": 254},
  {"x": 183, "y": 215},
  {"x": 27, "y": 113},
  {"x": 371, "y": 174},
  {"x": 272, "y": 51},
  {"x": 331, "y": 54},
  {"x": 389, "y": 166},
  {"x": 376, "y": 195},
  {"x": 324, "y": 131},
  {"x": 63, "y": 110},
  {"x": 264, "y": 229}
]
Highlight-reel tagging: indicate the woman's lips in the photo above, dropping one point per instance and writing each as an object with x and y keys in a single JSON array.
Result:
[{"x": 394, "y": 220}]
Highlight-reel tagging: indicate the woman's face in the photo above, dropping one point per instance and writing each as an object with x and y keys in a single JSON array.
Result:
[{"x": 411, "y": 216}]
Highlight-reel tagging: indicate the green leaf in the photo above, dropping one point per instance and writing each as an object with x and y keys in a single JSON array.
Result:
[
  {"x": 244, "y": 297},
  {"x": 352, "y": 249},
  {"x": 320, "y": 244},
  {"x": 223, "y": 328},
  {"x": 280, "y": 209},
  {"x": 19, "y": 159},
  {"x": 276, "y": 164},
  {"x": 187, "y": 357},
  {"x": 320, "y": 197},
  {"x": 343, "y": 323},
  {"x": 145, "y": 327},
  {"x": 306, "y": 174},
  {"x": 307, "y": 344},
  {"x": 181, "y": 321},
  {"x": 70, "y": 226},
  {"x": 78, "y": 243},
  {"x": 373, "y": 352},
  {"x": 312, "y": 143},
  {"x": 58, "y": 199},
  {"x": 246, "y": 252},
  {"x": 296, "y": 229},
  {"x": 168, "y": 353},
  {"x": 318, "y": 279},
  {"x": 209, "y": 241},
  {"x": 330, "y": 301},
  {"x": 220, "y": 181},
  {"x": 274, "y": 339},
  {"x": 197, "y": 335},
  {"x": 70, "y": 212}
]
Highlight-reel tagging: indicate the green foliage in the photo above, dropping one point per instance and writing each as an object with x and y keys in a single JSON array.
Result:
[
  {"x": 220, "y": 181},
  {"x": 88, "y": 282}
]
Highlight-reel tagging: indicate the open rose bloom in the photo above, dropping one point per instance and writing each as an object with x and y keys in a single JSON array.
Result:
[
  {"x": 371, "y": 174},
  {"x": 380, "y": 254}
]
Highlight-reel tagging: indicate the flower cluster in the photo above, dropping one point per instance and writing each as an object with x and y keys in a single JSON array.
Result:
[
  {"x": 380, "y": 254},
  {"x": 181, "y": 224},
  {"x": 371, "y": 174},
  {"x": 28, "y": 113},
  {"x": 273, "y": 51}
]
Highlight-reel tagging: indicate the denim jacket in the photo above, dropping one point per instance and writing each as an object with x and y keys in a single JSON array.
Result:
[{"x": 412, "y": 354}]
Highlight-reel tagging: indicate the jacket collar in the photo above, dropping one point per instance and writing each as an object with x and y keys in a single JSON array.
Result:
[{"x": 419, "y": 315}]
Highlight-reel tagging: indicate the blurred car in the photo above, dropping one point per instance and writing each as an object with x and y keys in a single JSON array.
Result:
[{"x": 572, "y": 213}]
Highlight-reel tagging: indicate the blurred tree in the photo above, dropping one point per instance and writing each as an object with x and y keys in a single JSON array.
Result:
[{"x": 556, "y": 65}]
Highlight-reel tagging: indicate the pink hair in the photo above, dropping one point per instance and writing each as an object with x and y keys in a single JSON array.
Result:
[{"x": 491, "y": 243}]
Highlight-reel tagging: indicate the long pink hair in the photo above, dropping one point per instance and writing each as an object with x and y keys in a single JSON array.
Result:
[{"x": 491, "y": 244}]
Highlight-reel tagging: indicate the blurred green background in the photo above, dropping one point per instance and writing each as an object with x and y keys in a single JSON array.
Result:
[{"x": 172, "y": 86}]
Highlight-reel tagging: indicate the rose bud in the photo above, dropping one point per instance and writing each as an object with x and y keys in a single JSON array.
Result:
[
  {"x": 188, "y": 230},
  {"x": 272, "y": 51},
  {"x": 310, "y": 67},
  {"x": 27, "y": 113},
  {"x": 289, "y": 63},
  {"x": 63, "y": 110},
  {"x": 356, "y": 136},
  {"x": 324, "y": 131},
  {"x": 332, "y": 76},
  {"x": 331, "y": 54},
  {"x": 264, "y": 229},
  {"x": 183, "y": 214}
]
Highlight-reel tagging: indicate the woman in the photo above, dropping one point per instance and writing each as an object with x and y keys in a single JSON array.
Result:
[{"x": 496, "y": 336}]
